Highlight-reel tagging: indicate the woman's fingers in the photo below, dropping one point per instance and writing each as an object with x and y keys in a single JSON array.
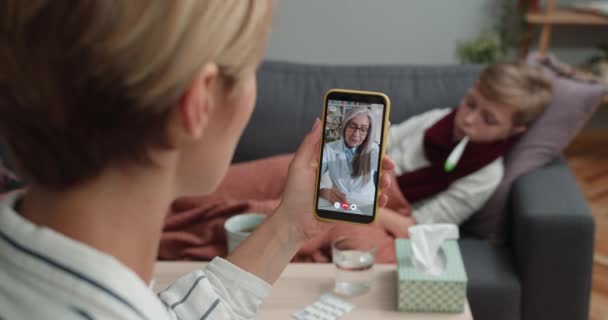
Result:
[
  {"x": 388, "y": 164},
  {"x": 382, "y": 200},
  {"x": 385, "y": 181},
  {"x": 308, "y": 151}
]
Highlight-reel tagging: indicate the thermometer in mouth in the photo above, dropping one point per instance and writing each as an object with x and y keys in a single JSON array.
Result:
[{"x": 454, "y": 157}]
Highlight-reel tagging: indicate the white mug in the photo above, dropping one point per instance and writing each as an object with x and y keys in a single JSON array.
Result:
[{"x": 240, "y": 227}]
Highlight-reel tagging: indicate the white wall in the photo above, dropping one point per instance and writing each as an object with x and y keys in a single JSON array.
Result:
[
  {"x": 374, "y": 31},
  {"x": 398, "y": 31}
]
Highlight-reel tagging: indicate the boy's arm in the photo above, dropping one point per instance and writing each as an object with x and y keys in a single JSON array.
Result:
[{"x": 463, "y": 198}]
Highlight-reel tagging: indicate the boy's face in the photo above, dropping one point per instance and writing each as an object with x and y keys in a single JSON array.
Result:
[{"x": 483, "y": 120}]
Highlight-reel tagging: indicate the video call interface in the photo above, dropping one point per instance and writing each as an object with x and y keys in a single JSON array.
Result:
[{"x": 350, "y": 157}]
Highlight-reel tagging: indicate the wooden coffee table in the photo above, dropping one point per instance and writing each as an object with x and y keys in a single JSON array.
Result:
[{"x": 303, "y": 283}]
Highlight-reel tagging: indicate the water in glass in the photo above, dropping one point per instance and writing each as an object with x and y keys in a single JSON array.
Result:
[{"x": 354, "y": 268}]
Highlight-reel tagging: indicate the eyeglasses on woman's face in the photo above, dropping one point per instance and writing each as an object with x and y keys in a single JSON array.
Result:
[{"x": 352, "y": 127}]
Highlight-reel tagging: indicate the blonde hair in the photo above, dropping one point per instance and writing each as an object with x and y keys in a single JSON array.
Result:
[
  {"x": 85, "y": 84},
  {"x": 362, "y": 157},
  {"x": 517, "y": 85}
]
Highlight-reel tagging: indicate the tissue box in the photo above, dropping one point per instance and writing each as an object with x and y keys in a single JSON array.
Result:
[{"x": 419, "y": 292}]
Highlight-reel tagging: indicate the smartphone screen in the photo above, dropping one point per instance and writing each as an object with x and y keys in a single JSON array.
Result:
[{"x": 351, "y": 155}]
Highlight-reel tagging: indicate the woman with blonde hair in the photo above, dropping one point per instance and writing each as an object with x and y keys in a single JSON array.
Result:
[
  {"x": 111, "y": 110},
  {"x": 350, "y": 163}
]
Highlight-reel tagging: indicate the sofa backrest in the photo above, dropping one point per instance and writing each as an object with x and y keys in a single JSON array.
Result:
[{"x": 290, "y": 96}]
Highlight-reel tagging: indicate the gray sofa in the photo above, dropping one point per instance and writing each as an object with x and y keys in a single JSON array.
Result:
[{"x": 542, "y": 272}]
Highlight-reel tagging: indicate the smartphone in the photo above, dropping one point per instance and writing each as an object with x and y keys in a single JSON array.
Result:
[{"x": 355, "y": 124}]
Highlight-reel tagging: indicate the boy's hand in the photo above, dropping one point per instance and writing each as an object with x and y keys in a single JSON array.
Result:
[
  {"x": 297, "y": 204},
  {"x": 394, "y": 223}
]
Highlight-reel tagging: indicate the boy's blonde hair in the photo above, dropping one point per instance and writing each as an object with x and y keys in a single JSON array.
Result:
[
  {"x": 91, "y": 83},
  {"x": 517, "y": 85}
]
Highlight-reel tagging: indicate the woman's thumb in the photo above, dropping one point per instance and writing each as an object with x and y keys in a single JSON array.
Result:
[{"x": 308, "y": 150}]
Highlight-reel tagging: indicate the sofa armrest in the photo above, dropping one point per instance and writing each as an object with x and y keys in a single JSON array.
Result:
[{"x": 552, "y": 238}]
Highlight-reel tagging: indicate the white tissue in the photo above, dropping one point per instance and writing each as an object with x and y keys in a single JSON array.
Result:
[{"x": 426, "y": 240}]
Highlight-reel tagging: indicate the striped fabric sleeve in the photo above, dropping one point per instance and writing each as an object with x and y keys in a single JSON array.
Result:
[{"x": 220, "y": 291}]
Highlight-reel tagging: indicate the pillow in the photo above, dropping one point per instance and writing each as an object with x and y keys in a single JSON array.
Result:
[{"x": 574, "y": 102}]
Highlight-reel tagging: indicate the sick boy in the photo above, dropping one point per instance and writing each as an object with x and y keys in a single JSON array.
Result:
[{"x": 500, "y": 106}]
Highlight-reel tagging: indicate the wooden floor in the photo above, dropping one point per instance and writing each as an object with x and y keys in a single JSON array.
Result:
[{"x": 589, "y": 162}]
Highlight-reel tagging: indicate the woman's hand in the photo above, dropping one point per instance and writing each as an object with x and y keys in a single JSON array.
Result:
[
  {"x": 394, "y": 223},
  {"x": 298, "y": 205},
  {"x": 332, "y": 195},
  {"x": 267, "y": 251}
]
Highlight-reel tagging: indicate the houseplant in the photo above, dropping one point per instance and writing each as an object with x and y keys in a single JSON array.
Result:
[
  {"x": 495, "y": 45},
  {"x": 486, "y": 48}
]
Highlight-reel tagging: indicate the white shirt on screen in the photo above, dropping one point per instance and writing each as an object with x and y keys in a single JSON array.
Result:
[{"x": 337, "y": 173}]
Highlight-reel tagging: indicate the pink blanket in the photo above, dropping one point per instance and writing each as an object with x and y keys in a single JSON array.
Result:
[{"x": 194, "y": 227}]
